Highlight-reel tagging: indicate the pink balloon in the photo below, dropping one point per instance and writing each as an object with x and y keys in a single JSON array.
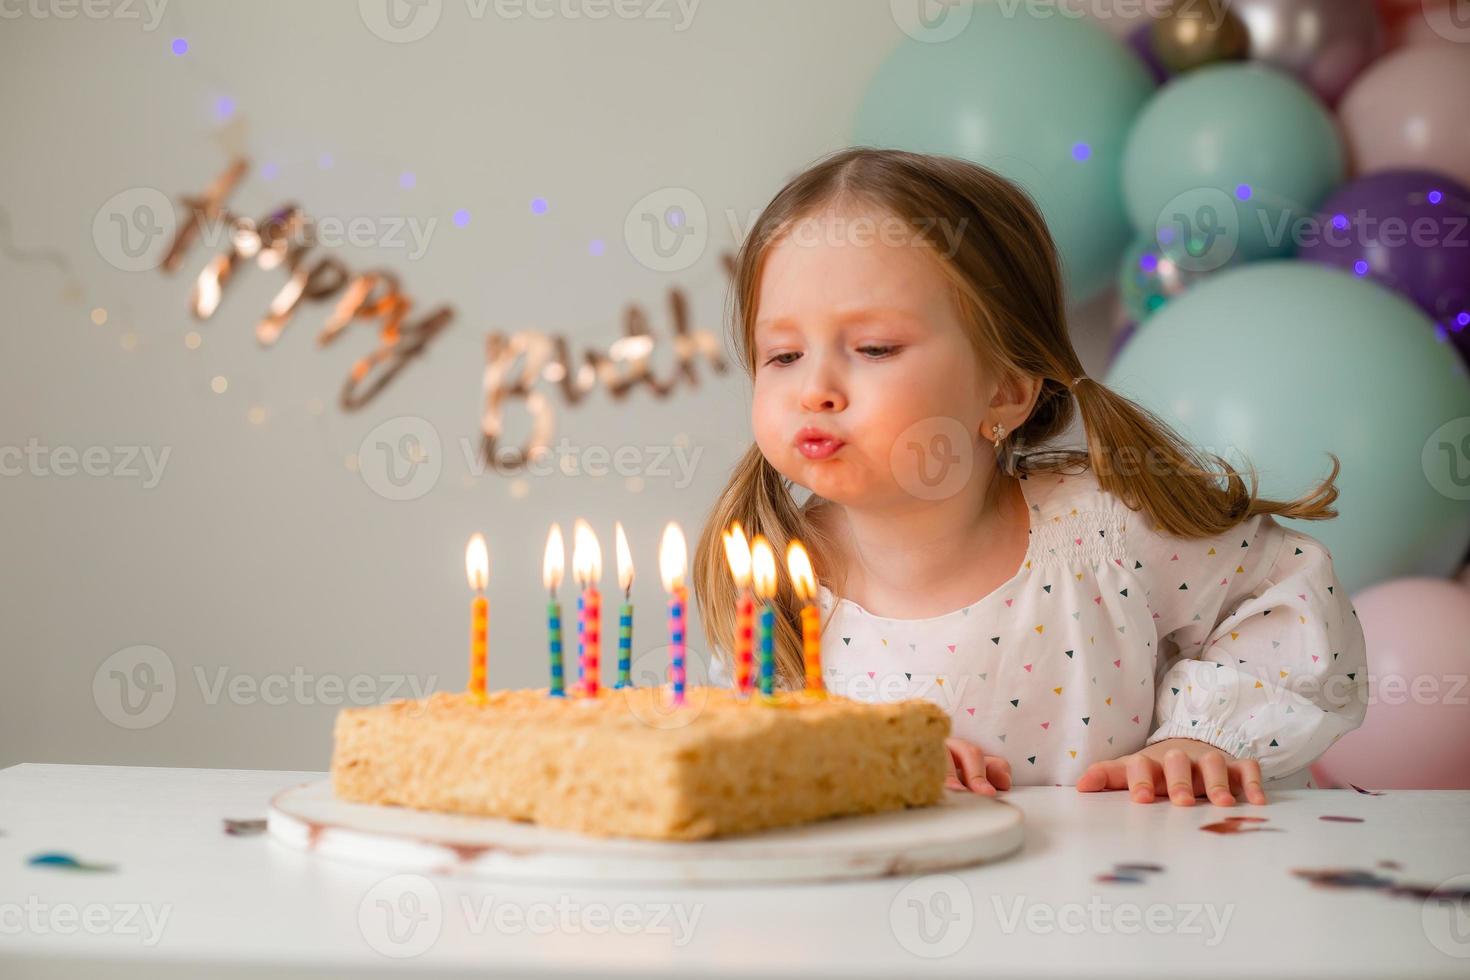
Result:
[
  {"x": 1407, "y": 110},
  {"x": 1416, "y": 734}
]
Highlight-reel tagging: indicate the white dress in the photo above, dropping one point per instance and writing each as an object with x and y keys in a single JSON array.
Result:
[{"x": 1114, "y": 634}]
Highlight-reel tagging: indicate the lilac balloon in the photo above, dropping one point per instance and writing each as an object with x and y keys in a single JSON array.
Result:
[
  {"x": 1138, "y": 40},
  {"x": 1324, "y": 43},
  {"x": 1406, "y": 229}
]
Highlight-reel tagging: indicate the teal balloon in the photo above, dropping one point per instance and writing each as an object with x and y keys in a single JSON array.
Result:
[
  {"x": 1279, "y": 363},
  {"x": 1152, "y": 273},
  {"x": 1044, "y": 100},
  {"x": 1240, "y": 153}
]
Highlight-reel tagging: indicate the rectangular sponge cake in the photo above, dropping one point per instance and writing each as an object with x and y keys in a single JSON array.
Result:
[{"x": 629, "y": 764}]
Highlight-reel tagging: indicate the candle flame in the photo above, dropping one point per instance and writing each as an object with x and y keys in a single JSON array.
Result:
[
  {"x": 763, "y": 567},
  {"x": 625, "y": 559},
  {"x": 477, "y": 562},
  {"x": 586, "y": 555},
  {"x": 799, "y": 563},
  {"x": 672, "y": 557},
  {"x": 556, "y": 560},
  {"x": 737, "y": 553}
]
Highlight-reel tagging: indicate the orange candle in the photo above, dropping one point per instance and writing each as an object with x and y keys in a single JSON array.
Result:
[
  {"x": 799, "y": 564},
  {"x": 477, "y": 570},
  {"x": 737, "y": 553}
]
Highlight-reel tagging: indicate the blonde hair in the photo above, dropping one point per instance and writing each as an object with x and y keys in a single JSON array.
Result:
[{"x": 1006, "y": 283}]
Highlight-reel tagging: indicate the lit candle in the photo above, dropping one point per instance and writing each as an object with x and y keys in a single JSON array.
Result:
[
  {"x": 804, "y": 580},
  {"x": 672, "y": 560},
  {"x": 551, "y": 573},
  {"x": 477, "y": 570},
  {"x": 763, "y": 571},
  {"x": 737, "y": 553},
  {"x": 587, "y": 569},
  {"x": 625, "y": 612}
]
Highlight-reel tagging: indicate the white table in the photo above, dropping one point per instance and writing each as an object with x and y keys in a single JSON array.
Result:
[{"x": 189, "y": 900}]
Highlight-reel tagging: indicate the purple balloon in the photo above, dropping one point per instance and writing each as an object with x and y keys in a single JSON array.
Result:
[
  {"x": 1138, "y": 40},
  {"x": 1406, "y": 229}
]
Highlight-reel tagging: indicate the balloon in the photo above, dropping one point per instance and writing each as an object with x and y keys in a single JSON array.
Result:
[
  {"x": 1408, "y": 230},
  {"x": 1152, "y": 273},
  {"x": 1234, "y": 151},
  {"x": 1281, "y": 362},
  {"x": 1044, "y": 100},
  {"x": 1324, "y": 43},
  {"x": 1120, "y": 340},
  {"x": 1408, "y": 111},
  {"x": 1416, "y": 734},
  {"x": 1191, "y": 33},
  {"x": 1140, "y": 41}
]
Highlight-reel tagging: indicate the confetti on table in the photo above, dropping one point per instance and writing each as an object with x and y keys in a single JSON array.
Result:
[
  {"x": 1347, "y": 878},
  {"x": 244, "y": 828},
  {"x": 1128, "y": 873},
  {"x": 1237, "y": 825},
  {"x": 1367, "y": 792},
  {"x": 66, "y": 861},
  {"x": 1342, "y": 819}
]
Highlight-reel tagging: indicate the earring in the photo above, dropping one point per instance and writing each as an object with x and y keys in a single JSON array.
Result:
[{"x": 996, "y": 431}]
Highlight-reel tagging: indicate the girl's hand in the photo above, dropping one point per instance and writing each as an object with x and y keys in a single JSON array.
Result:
[
  {"x": 1181, "y": 768},
  {"x": 982, "y": 773}
]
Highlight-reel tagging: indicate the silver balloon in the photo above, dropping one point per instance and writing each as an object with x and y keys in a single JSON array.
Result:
[{"x": 1324, "y": 43}]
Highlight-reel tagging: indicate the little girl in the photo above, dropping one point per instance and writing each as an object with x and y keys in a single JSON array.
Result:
[{"x": 1124, "y": 616}]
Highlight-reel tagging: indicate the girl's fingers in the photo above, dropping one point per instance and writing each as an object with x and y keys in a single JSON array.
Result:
[
  {"x": 998, "y": 771},
  {"x": 1108, "y": 774},
  {"x": 1216, "y": 777},
  {"x": 1179, "y": 777},
  {"x": 971, "y": 764},
  {"x": 1249, "y": 771},
  {"x": 1141, "y": 778}
]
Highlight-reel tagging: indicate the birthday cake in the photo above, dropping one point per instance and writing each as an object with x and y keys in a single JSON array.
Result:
[{"x": 628, "y": 763}]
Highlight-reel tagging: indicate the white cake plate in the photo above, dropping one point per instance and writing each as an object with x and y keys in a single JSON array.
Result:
[{"x": 963, "y": 830}]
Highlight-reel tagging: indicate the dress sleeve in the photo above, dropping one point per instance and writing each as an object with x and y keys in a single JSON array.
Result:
[{"x": 1259, "y": 646}]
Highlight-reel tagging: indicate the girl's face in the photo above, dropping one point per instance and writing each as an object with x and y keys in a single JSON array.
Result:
[{"x": 867, "y": 390}]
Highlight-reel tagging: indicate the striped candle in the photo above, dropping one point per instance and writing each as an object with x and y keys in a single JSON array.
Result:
[
  {"x": 673, "y": 560},
  {"x": 553, "y": 629},
  {"x": 587, "y": 570},
  {"x": 625, "y": 611},
  {"x": 737, "y": 554},
  {"x": 744, "y": 646},
  {"x": 763, "y": 573},
  {"x": 551, "y": 572},
  {"x": 477, "y": 570},
  {"x": 625, "y": 645},
  {"x": 591, "y": 668},
  {"x": 768, "y": 652},
  {"x": 804, "y": 581},
  {"x": 678, "y": 603}
]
